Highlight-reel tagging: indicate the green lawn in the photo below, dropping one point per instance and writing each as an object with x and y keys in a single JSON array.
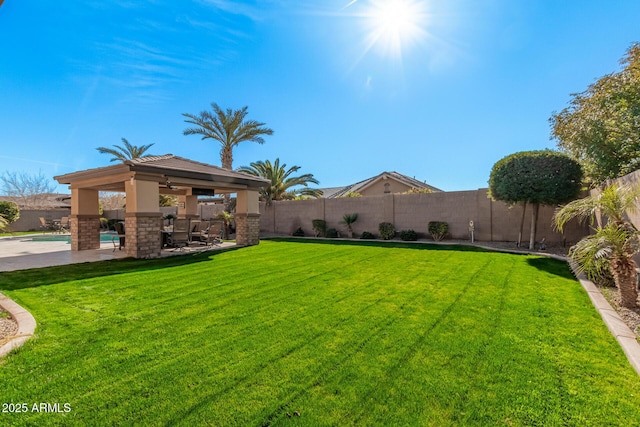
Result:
[{"x": 344, "y": 334}]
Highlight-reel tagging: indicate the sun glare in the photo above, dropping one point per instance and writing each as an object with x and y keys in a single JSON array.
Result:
[{"x": 395, "y": 24}]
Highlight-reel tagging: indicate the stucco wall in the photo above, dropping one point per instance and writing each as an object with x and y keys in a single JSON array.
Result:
[
  {"x": 378, "y": 188},
  {"x": 494, "y": 221},
  {"x": 30, "y": 219}
]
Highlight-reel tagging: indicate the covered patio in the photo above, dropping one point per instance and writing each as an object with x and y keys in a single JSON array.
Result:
[{"x": 143, "y": 180}]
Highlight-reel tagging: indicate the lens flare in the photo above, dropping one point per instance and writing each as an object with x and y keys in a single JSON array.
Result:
[{"x": 395, "y": 25}]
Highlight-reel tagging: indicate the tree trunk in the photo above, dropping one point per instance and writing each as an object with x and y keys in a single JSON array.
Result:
[
  {"x": 624, "y": 274},
  {"x": 534, "y": 226},
  {"x": 524, "y": 209},
  {"x": 226, "y": 159}
]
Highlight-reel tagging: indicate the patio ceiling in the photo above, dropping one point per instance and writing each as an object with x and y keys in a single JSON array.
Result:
[{"x": 174, "y": 175}]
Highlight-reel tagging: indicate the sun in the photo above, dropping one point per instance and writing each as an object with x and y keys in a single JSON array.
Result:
[{"x": 394, "y": 25}]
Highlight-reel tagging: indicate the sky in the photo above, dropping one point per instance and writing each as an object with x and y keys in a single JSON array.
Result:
[{"x": 436, "y": 90}]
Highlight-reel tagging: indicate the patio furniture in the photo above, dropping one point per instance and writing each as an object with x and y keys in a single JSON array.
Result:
[
  {"x": 60, "y": 225},
  {"x": 199, "y": 230},
  {"x": 44, "y": 224},
  {"x": 213, "y": 235},
  {"x": 65, "y": 224},
  {"x": 179, "y": 237},
  {"x": 119, "y": 236}
]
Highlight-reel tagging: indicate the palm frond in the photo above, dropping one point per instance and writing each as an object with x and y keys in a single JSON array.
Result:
[{"x": 228, "y": 127}]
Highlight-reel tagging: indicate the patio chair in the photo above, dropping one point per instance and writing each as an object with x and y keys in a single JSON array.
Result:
[
  {"x": 44, "y": 224},
  {"x": 65, "y": 224},
  {"x": 119, "y": 236},
  {"x": 199, "y": 231},
  {"x": 179, "y": 237},
  {"x": 213, "y": 235},
  {"x": 61, "y": 225}
]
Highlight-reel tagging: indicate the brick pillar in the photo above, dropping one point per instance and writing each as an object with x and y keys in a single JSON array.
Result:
[
  {"x": 142, "y": 231},
  {"x": 85, "y": 232},
  {"x": 247, "y": 229}
]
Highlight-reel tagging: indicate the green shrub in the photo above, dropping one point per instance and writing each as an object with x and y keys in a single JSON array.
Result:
[
  {"x": 367, "y": 235},
  {"x": 602, "y": 275},
  {"x": 104, "y": 223},
  {"x": 332, "y": 233},
  {"x": 320, "y": 227},
  {"x": 387, "y": 231},
  {"x": 299, "y": 232},
  {"x": 438, "y": 230},
  {"x": 408, "y": 235},
  {"x": 9, "y": 211}
]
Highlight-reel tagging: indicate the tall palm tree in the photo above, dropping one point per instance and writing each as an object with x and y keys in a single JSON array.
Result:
[
  {"x": 127, "y": 152},
  {"x": 228, "y": 127},
  {"x": 282, "y": 183},
  {"x": 618, "y": 241}
]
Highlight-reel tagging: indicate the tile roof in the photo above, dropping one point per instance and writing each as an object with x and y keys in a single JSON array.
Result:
[
  {"x": 170, "y": 165},
  {"x": 335, "y": 192}
]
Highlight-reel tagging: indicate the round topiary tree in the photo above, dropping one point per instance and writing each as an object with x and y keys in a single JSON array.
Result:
[
  {"x": 9, "y": 212},
  {"x": 538, "y": 178}
]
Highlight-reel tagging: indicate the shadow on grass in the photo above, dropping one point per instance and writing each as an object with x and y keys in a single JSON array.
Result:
[
  {"x": 552, "y": 266},
  {"x": 35, "y": 277},
  {"x": 383, "y": 244}
]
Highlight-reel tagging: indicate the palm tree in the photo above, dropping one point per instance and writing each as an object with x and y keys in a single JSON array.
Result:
[
  {"x": 348, "y": 220},
  {"x": 618, "y": 241},
  {"x": 127, "y": 152},
  {"x": 282, "y": 183},
  {"x": 228, "y": 127}
]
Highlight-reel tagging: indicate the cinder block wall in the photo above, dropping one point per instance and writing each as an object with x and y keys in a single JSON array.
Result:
[
  {"x": 30, "y": 219},
  {"x": 493, "y": 221}
]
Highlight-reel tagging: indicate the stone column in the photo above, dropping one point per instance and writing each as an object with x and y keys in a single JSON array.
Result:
[
  {"x": 247, "y": 218},
  {"x": 85, "y": 219},
  {"x": 247, "y": 229},
  {"x": 143, "y": 234},
  {"x": 143, "y": 219}
]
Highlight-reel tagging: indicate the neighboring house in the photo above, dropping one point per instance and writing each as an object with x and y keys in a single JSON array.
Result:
[
  {"x": 41, "y": 201},
  {"x": 384, "y": 183}
]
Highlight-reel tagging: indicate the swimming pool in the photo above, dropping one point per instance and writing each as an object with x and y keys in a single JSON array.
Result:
[{"x": 104, "y": 237}]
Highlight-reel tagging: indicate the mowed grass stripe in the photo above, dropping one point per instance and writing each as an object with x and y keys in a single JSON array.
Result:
[
  {"x": 381, "y": 359},
  {"x": 358, "y": 335},
  {"x": 114, "y": 366},
  {"x": 250, "y": 340}
]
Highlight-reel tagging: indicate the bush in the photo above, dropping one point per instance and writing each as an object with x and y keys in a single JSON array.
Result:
[
  {"x": 299, "y": 232},
  {"x": 408, "y": 235},
  {"x": 438, "y": 230},
  {"x": 9, "y": 211},
  {"x": 332, "y": 233},
  {"x": 387, "y": 231},
  {"x": 320, "y": 227},
  {"x": 603, "y": 276},
  {"x": 367, "y": 235},
  {"x": 104, "y": 223}
]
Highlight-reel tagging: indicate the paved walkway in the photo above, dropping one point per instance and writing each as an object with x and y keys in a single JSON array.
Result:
[{"x": 22, "y": 252}]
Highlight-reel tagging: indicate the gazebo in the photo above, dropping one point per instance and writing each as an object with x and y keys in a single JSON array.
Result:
[{"x": 143, "y": 180}]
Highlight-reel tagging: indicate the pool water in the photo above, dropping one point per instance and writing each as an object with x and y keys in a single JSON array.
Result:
[{"x": 104, "y": 237}]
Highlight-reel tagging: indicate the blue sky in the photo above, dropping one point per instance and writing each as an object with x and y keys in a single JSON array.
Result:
[{"x": 441, "y": 93}]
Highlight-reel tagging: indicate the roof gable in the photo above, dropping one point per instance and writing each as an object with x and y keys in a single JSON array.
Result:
[{"x": 364, "y": 184}]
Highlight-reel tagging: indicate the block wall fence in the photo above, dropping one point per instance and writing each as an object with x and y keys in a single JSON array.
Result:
[{"x": 493, "y": 221}]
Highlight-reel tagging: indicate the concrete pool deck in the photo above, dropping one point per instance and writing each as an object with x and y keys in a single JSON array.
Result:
[{"x": 21, "y": 252}]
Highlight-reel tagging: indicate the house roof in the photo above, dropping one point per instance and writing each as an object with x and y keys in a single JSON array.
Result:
[
  {"x": 40, "y": 201},
  {"x": 167, "y": 168},
  {"x": 330, "y": 193}
]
